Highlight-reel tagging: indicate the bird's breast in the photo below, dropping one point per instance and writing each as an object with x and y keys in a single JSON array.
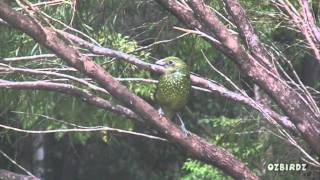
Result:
[{"x": 173, "y": 90}]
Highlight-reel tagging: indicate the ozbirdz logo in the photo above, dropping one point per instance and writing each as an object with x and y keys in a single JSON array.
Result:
[{"x": 287, "y": 167}]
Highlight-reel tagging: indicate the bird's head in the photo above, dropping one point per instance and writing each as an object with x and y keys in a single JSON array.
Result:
[{"x": 173, "y": 64}]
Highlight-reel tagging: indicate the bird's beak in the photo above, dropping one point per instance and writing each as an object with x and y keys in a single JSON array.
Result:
[{"x": 161, "y": 62}]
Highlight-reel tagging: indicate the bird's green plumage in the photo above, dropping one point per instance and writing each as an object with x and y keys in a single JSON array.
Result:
[{"x": 174, "y": 86}]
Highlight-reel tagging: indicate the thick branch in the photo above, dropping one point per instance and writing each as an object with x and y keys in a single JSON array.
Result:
[
  {"x": 247, "y": 32},
  {"x": 8, "y": 175},
  {"x": 310, "y": 19}
]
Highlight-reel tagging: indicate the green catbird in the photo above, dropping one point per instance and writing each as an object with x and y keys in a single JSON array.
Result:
[{"x": 173, "y": 89}]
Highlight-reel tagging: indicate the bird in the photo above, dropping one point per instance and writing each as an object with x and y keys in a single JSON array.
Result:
[{"x": 173, "y": 89}]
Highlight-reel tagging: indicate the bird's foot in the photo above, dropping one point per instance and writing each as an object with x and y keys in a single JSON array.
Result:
[
  {"x": 160, "y": 111},
  {"x": 183, "y": 127}
]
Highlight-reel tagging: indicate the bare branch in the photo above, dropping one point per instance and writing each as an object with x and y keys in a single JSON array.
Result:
[
  {"x": 160, "y": 42},
  {"x": 74, "y": 91},
  {"x": 247, "y": 32},
  {"x": 87, "y": 129},
  {"x": 46, "y": 4},
  {"x": 35, "y": 57},
  {"x": 6, "y": 174},
  {"x": 39, "y": 72}
]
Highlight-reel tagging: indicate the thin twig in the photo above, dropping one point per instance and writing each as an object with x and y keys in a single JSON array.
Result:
[
  {"x": 15, "y": 163},
  {"x": 89, "y": 129}
]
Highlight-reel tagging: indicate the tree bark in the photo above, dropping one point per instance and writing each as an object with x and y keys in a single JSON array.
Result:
[{"x": 8, "y": 175}]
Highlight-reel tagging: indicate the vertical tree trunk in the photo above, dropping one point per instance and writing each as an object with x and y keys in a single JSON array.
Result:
[{"x": 38, "y": 156}]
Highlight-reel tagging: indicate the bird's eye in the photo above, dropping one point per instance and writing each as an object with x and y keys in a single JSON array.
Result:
[{"x": 171, "y": 62}]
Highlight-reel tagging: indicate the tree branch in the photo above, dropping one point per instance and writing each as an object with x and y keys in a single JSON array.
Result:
[
  {"x": 8, "y": 175},
  {"x": 39, "y": 72},
  {"x": 247, "y": 32},
  {"x": 35, "y": 57},
  {"x": 85, "y": 129},
  {"x": 74, "y": 91}
]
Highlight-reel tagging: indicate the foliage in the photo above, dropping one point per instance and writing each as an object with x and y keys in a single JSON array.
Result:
[
  {"x": 238, "y": 135},
  {"x": 200, "y": 170}
]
